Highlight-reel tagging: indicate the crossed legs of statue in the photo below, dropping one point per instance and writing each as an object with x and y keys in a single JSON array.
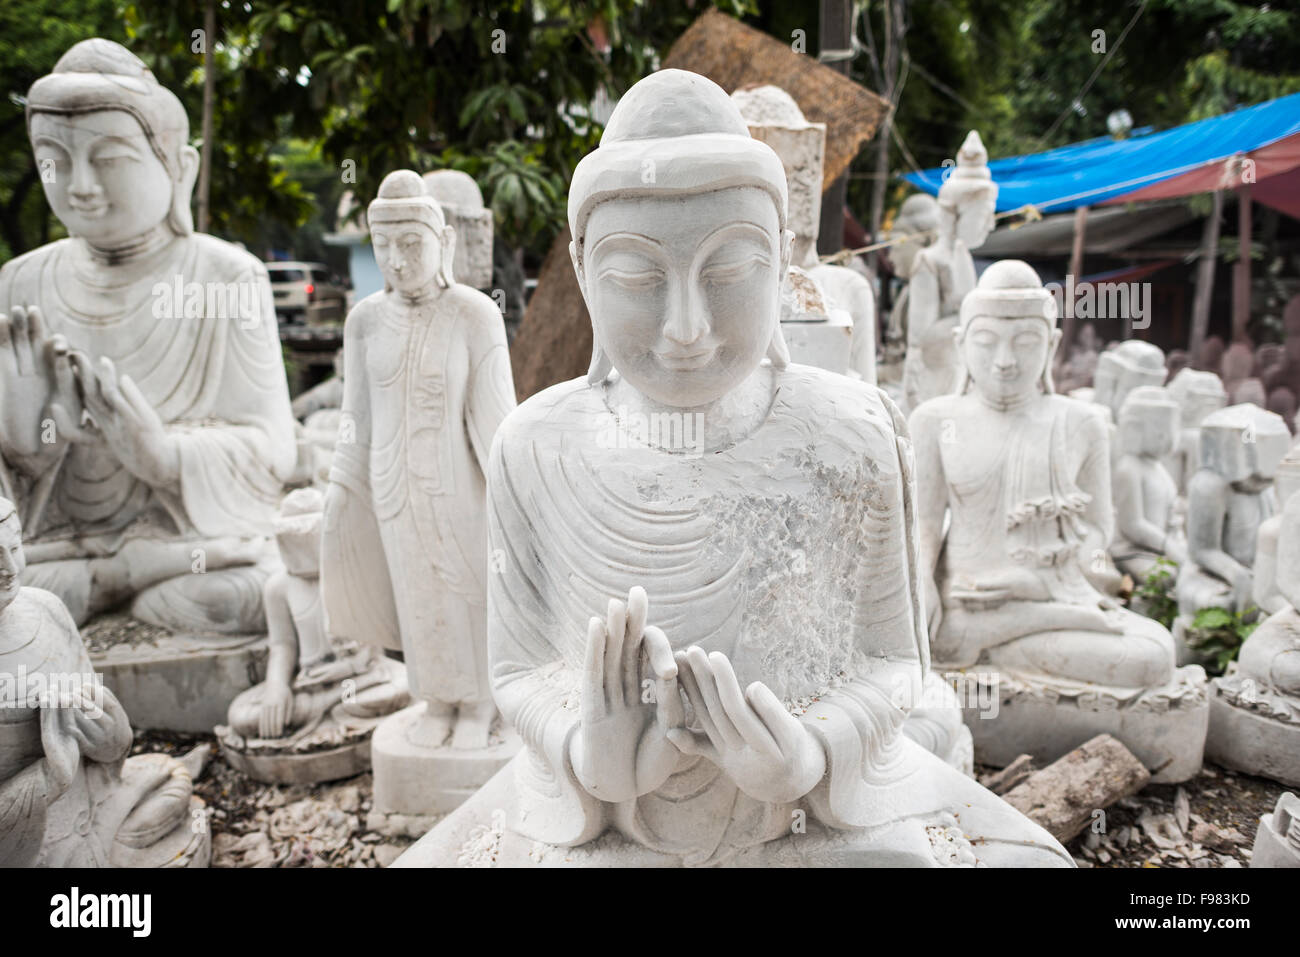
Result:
[{"x": 213, "y": 586}]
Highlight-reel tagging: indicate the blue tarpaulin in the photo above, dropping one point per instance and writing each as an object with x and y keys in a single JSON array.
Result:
[{"x": 1095, "y": 171}]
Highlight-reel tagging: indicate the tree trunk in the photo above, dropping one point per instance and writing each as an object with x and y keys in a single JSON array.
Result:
[
  {"x": 209, "y": 81},
  {"x": 835, "y": 33},
  {"x": 1241, "y": 271},
  {"x": 1209, "y": 256},
  {"x": 895, "y": 33}
]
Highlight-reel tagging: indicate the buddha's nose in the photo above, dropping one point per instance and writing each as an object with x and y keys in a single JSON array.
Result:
[
  {"x": 687, "y": 319},
  {"x": 85, "y": 184}
]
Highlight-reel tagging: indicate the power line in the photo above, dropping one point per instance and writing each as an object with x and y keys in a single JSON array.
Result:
[{"x": 1078, "y": 97}]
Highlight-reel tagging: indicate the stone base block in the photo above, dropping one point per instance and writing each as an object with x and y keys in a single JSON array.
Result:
[
  {"x": 188, "y": 845},
  {"x": 822, "y": 344},
  {"x": 417, "y": 785},
  {"x": 181, "y": 682},
  {"x": 1164, "y": 727},
  {"x": 289, "y": 766},
  {"x": 1277, "y": 842},
  {"x": 1248, "y": 738}
]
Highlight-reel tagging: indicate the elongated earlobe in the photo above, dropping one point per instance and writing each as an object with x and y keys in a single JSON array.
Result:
[
  {"x": 179, "y": 218},
  {"x": 777, "y": 351},
  {"x": 446, "y": 276},
  {"x": 600, "y": 367}
]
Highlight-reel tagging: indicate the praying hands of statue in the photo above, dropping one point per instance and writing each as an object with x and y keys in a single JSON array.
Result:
[
  {"x": 630, "y": 702},
  {"x": 764, "y": 749},
  {"x": 39, "y": 401},
  {"x": 128, "y": 423},
  {"x": 82, "y": 722}
]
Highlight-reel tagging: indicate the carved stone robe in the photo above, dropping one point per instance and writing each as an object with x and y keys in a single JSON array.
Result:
[
  {"x": 793, "y": 552},
  {"x": 216, "y": 381},
  {"x": 405, "y": 559}
]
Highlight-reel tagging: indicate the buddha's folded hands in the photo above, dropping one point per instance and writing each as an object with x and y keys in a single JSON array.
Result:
[
  {"x": 621, "y": 749},
  {"x": 750, "y": 735}
]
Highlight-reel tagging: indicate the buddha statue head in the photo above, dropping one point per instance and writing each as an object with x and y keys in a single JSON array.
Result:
[
  {"x": 1197, "y": 394},
  {"x": 112, "y": 147},
  {"x": 680, "y": 243},
  {"x": 1130, "y": 365},
  {"x": 12, "y": 560},
  {"x": 1244, "y": 444},
  {"x": 918, "y": 218},
  {"x": 414, "y": 246},
  {"x": 968, "y": 197},
  {"x": 462, "y": 207},
  {"x": 1007, "y": 334},
  {"x": 1148, "y": 422},
  {"x": 298, "y": 532}
]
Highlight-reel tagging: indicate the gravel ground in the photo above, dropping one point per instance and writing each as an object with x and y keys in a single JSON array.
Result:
[
  {"x": 1209, "y": 821},
  {"x": 269, "y": 825}
]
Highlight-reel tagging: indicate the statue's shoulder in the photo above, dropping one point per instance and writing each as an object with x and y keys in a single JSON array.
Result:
[
  {"x": 362, "y": 313},
  {"x": 1087, "y": 417},
  {"x": 937, "y": 409},
  {"x": 223, "y": 261},
  {"x": 839, "y": 408},
  {"x": 54, "y": 609},
  {"x": 30, "y": 261},
  {"x": 480, "y": 315},
  {"x": 564, "y": 407}
]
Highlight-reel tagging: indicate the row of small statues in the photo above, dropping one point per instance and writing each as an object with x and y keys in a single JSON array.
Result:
[{"x": 712, "y": 649}]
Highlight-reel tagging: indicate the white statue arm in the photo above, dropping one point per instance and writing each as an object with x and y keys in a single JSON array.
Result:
[
  {"x": 355, "y": 585},
  {"x": 1207, "y": 504},
  {"x": 233, "y": 464},
  {"x": 860, "y": 722},
  {"x": 282, "y": 660},
  {"x": 1130, "y": 510},
  {"x": 491, "y": 386},
  {"x": 1091, "y": 434},
  {"x": 1266, "y": 594},
  {"x": 927, "y": 428},
  {"x": 923, "y": 300}
]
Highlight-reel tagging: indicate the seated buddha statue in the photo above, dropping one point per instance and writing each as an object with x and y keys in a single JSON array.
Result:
[
  {"x": 1022, "y": 476},
  {"x": 1267, "y": 593},
  {"x": 145, "y": 426},
  {"x": 1144, "y": 491},
  {"x": 1255, "y": 712},
  {"x": 1228, "y": 498},
  {"x": 69, "y": 795},
  {"x": 316, "y": 687},
  {"x": 709, "y": 647},
  {"x": 1197, "y": 394}
]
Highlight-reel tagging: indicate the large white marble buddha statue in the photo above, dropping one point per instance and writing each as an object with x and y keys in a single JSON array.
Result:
[
  {"x": 427, "y": 381},
  {"x": 145, "y": 434},
  {"x": 708, "y": 646},
  {"x": 1023, "y": 476}
]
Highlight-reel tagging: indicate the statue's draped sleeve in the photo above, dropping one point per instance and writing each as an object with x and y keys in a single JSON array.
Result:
[
  {"x": 355, "y": 584},
  {"x": 859, "y": 723},
  {"x": 236, "y": 441},
  {"x": 533, "y": 687},
  {"x": 491, "y": 384},
  {"x": 23, "y": 802}
]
